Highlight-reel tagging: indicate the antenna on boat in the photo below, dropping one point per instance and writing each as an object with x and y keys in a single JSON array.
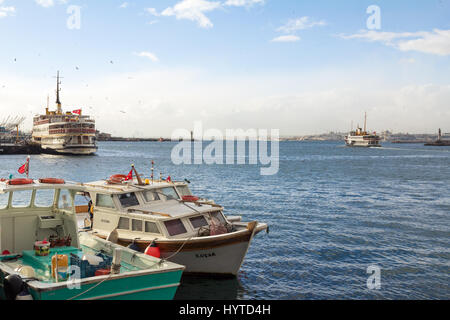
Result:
[{"x": 153, "y": 164}]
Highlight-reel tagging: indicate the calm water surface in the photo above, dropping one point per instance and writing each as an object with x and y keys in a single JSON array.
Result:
[{"x": 332, "y": 211}]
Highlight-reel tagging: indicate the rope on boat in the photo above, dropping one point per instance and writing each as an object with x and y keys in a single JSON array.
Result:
[
  {"x": 91, "y": 288},
  {"x": 176, "y": 252}
]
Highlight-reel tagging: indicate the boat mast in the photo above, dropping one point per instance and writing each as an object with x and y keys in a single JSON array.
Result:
[
  {"x": 58, "y": 102},
  {"x": 365, "y": 121}
]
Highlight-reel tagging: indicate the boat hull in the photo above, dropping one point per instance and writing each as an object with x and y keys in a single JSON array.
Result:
[
  {"x": 218, "y": 255},
  {"x": 83, "y": 151},
  {"x": 155, "y": 286}
]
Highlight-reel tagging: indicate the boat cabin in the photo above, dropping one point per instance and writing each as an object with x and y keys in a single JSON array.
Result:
[
  {"x": 33, "y": 212},
  {"x": 157, "y": 210}
]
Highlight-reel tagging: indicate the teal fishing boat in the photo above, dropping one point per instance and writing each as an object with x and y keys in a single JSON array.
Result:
[{"x": 45, "y": 257}]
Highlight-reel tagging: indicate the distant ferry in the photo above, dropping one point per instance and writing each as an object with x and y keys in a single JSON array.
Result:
[
  {"x": 361, "y": 138},
  {"x": 64, "y": 132}
]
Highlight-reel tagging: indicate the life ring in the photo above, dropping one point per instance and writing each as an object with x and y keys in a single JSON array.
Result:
[
  {"x": 190, "y": 198},
  {"x": 52, "y": 181},
  {"x": 17, "y": 182},
  {"x": 117, "y": 178}
]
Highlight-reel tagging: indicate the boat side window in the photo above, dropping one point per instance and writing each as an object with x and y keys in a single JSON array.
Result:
[
  {"x": 104, "y": 200},
  {"x": 218, "y": 216},
  {"x": 151, "y": 227},
  {"x": 198, "y": 221},
  {"x": 170, "y": 193},
  {"x": 21, "y": 199},
  {"x": 124, "y": 223},
  {"x": 128, "y": 199},
  {"x": 136, "y": 225},
  {"x": 151, "y": 196},
  {"x": 4, "y": 198},
  {"x": 44, "y": 198},
  {"x": 184, "y": 191},
  {"x": 65, "y": 200},
  {"x": 175, "y": 227}
]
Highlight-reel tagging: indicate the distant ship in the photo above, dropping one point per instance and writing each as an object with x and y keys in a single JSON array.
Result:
[
  {"x": 361, "y": 138},
  {"x": 59, "y": 132},
  {"x": 439, "y": 142}
]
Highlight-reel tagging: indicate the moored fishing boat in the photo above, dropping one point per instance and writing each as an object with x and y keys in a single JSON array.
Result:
[
  {"x": 44, "y": 257},
  {"x": 163, "y": 217}
]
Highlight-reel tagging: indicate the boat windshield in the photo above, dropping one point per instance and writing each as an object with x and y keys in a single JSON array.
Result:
[
  {"x": 65, "y": 200},
  {"x": 151, "y": 196},
  {"x": 44, "y": 198},
  {"x": 4, "y": 198},
  {"x": 184, "y": 191},
  {"x": 104, "y": 200},
  {"x": 21, "y": 199},
  {"x": 128, "y": 200},
  {"x": 169, "y": 193}
]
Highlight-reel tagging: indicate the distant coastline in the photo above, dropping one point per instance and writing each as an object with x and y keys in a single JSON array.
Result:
[{"x": 386, "y": 136}]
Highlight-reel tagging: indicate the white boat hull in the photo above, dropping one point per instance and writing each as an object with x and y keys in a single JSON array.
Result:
[{"x": 226, "y": 260}]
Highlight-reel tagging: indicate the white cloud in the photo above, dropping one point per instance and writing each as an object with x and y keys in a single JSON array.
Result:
[
  {"x": 243, "y": 3},
  {"x": 148, "y": 55},
  {"x": 175, "y": 98},
  {"x": 436, "y": 42},
  {"x": 50, "y": 3},
  {"x": 124, "y": 5},
  {"x": 193, "y": 10},
  {"x": 300, "y": 24},
  {"x": 287, "y": 38},
  {"x": 6, "y": 11},
  {"x": 152, "y": 11}
]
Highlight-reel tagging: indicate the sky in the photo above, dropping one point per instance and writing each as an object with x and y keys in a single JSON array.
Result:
[{"x": 145, "y": 68}]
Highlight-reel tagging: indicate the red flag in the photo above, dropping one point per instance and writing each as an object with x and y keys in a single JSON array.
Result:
[
  {"x": 77, "y": 111},
  {"x": 24, "y": 169},
  {"x": 129, "y": 176},
  {"x": 169, "y": 179}
]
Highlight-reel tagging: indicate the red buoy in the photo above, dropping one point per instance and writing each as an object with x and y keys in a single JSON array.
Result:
[
  {"x": 6, "y": 252},
  {"x": 20, "y": 181},
  {"x": 102, "y": 272},
  {"x": 52, "y": 181},
  {"x": 153, "y": 250},
  {"x": 190, "y": 198}
]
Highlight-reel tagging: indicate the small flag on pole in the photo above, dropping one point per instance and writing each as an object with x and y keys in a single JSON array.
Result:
[
  {"x": 169, "y": 179},
  {"x": 78, "y": 111},
  {"x": 25, "y": 168},
  {"x": 129, "y": 176}
]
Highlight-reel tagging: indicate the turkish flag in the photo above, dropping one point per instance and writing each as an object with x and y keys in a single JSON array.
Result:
[
  {"x": 77, "y": 111},
  {"x": 129, "y": 176},
  {"x": 169, "y": 179},
  {"x": 24, "y": 169}
]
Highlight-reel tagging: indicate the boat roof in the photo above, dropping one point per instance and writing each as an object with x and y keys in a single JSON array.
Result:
[
  {"x": 5, "y": 187},
  {"x": 96, "y": 186},
  {"x": 172, "y": 209},
  {"x": 103, "y": 186}
]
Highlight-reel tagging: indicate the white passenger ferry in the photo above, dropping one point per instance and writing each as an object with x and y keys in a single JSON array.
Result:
[
  {"x": 64, "y": 132},
  {"x": 362, "y": 138}
]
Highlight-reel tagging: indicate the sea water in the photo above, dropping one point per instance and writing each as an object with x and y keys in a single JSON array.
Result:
[{"x": 335, "y": 215}]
